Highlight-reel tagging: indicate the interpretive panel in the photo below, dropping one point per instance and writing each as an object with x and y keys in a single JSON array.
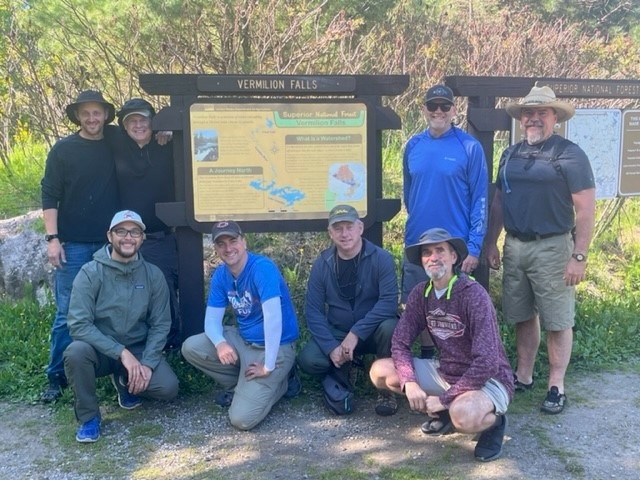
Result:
[
  {"x": 630, "y": 163},
  {"x": 269, "y": 161}
]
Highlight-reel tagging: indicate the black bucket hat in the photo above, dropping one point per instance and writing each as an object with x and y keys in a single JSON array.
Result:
[
  {"x": 436, "y": 235},
  {"x": 135, "y": 105},
  {"x": 90, "y": 96}
]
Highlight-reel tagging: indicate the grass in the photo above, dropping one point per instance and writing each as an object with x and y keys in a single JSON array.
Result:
[{"x": 606, "y": 335}]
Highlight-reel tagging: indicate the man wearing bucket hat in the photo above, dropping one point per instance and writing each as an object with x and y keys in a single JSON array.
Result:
[
  {"x": 471, "y": 384},
  {"x": 253, "y": 359},
  {"x": 119, "y": 320},
  {"x": 351, "y": 305},
  {"x": 79, "y": 197},
  {"x": 545, "y": 199},
  {"x": 144, "y": 170}
]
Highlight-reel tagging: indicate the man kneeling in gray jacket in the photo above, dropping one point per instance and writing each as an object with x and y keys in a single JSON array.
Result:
[{"x": 119, "y": 319}]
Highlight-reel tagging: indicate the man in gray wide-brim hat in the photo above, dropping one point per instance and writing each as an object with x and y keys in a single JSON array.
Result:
[
  {"x": 545, "y": 198},
  {"x": 79, "y": 197},
  {"x": 470, "y": 385}
]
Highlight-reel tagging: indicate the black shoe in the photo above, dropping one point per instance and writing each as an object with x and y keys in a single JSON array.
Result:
[
  {"x": 521, "y": 387},
  {"x": 294, "y": 385},
  {"x": 555, "y": 401},
  {"x": 489, "y": 446},
  {"x": 53, "y": 392},
  {"x": 224, "y": 398},
  {"x": 387, "y": 403}
]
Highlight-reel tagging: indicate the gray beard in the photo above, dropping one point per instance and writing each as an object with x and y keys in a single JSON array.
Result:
[{"x": 438, "y": 274}]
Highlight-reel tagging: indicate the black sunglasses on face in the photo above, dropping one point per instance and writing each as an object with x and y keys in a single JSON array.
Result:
[{"x": 432, "y": 107}]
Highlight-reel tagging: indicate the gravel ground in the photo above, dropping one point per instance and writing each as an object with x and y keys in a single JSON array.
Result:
[{"x": 597, "y": 437}]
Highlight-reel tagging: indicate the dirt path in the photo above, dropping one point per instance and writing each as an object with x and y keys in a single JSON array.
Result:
[{"x": 597, "y": 437}]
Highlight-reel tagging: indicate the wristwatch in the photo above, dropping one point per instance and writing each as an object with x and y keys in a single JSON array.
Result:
[
  {"x": 48, "y": 238},
  {"x": 580, "y": 257}
]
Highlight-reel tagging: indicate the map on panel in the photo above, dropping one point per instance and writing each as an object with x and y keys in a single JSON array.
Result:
[
  {"x": 264, "y": 161},
  {"x": 597, "y": 132}
]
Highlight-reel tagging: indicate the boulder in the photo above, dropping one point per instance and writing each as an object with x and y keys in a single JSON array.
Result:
[{"x": 24, "y": 267}]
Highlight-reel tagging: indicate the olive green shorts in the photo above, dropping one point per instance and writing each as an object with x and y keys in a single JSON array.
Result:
[{"x": 533, "y": 282}]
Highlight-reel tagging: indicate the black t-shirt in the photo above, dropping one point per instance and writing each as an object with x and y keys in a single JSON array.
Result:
[{"x": 536, "y": 194}]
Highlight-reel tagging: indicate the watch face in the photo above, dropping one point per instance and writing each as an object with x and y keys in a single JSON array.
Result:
[{"x": 579, "y": 257}]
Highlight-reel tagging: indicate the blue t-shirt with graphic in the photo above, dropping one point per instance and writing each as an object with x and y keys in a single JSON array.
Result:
[{"x": 259, "y": 281}]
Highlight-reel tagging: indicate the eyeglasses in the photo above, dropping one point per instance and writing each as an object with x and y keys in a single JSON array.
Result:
[
  {"x": 432, "y": 107},
  {"x": 122, "y": 232}
]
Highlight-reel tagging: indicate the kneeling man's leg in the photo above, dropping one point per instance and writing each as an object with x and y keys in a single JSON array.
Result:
[
  {"x": 163, "y": 384},
  {"x": 254, "y": 399}
]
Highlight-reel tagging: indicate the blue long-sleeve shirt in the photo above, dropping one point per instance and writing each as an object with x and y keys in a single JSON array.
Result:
[{"x": 445, "y": 185}]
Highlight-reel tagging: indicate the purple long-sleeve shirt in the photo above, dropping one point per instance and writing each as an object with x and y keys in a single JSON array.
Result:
[{"x": 464, "y": 328}]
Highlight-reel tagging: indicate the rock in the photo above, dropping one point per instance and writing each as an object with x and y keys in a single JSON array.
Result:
[{"x": 24, "y": 267}]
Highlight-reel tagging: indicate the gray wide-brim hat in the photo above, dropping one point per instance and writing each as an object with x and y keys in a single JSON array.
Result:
[
  {"x": 542, "y": 97},
  {"x": 90, "y": 96},
  {"x": 436, "y": 235}
]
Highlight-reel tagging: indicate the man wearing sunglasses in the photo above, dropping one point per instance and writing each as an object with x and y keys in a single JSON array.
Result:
[
  {"x": 118, "y": 319},
  {"x": 445, "y": 185}
]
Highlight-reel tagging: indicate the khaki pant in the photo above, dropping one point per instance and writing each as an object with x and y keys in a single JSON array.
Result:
[
  {"x": 83, "y": 364},
  {"x": 253, "y": 399}
]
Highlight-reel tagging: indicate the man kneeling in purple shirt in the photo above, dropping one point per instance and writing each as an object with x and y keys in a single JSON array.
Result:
[{"x": 471, "y": 384}]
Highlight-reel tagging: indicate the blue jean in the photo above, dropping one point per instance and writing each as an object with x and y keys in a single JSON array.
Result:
[{"x": 77, "y": 254}]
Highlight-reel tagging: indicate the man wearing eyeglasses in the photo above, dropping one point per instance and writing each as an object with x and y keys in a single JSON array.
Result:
[
  {"x": 251, "y": 360},
  {"x": 445, "y": 185},
  {"x": 119, "y": 320},
  {"x": 545, "y": 199},
  {"x": 351, "y": 304}
]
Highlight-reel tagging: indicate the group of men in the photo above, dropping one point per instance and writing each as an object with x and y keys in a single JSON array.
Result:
[{"x": 545, "y": 199}]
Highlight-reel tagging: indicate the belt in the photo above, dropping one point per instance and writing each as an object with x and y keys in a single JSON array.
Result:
[{"x": 528, "y": 237}]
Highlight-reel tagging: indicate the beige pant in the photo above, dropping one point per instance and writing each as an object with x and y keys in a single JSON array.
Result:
[{"x": 253, "y": 399}]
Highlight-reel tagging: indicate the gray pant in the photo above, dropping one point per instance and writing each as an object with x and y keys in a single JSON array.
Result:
[
  {"x": 314, "y": 361},
  {"x": 83, "y": 364},
  {"x": 253, "y": 399}
]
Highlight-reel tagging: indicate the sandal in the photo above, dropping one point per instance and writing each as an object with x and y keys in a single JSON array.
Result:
[
  {"x": 521, "y": 387},
  {"x": 438, "y": 426},
  {"x": 555, "y": 402}
]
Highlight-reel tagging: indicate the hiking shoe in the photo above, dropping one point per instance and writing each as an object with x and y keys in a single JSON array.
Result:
[
  {"x": 521, "y": 387},
  {"x": 437, "y": 426},
  {"x": 555, "y": 401},
  {"x": 224, "y": 398},
  {"x": 387, "y": 403},
  {"x": 294, "y": 385},
  {"x": 126, "y": 400},
  {"x": 89, "y": 431},
  {"x": 52, "y": 393},
  {"x": 489, "y": 446}
]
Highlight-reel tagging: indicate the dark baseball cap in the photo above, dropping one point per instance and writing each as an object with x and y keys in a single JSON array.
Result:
[
  {"x": 226, "y": 227},
  {"x": 343, "y": 213},
  {"x": 439, "y": 92}
]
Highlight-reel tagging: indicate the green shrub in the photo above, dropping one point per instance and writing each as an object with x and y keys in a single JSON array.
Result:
[{"x": 20, "y": 177}]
